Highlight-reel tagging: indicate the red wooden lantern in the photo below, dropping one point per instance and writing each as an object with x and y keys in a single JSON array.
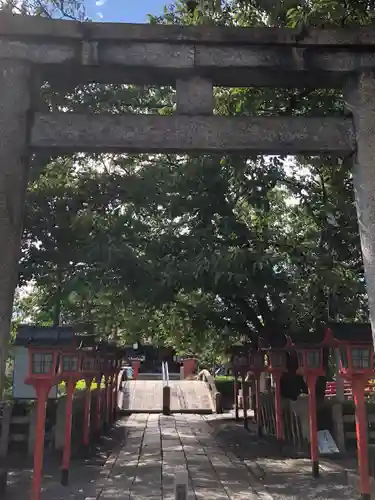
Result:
[
  {"x": 70, "y": 365},
  {"x": 42, "y": 364},
  {"x": 256, "y": 362},
  {"x": 42, "y": 370},
  {"x": 357, "y": 365},
  {"x": 356, "y": 359},
  {"x": 70, "y": 370},
  {"x": 90, "y": 364},
  {"x": 275, "y": 361},
  {"x": 310, "y": 361}
]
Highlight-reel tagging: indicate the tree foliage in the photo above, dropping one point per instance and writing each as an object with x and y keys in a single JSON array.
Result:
[{"x": 197, "y": 251}]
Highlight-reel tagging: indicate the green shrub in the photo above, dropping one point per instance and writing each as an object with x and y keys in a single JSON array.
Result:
[{"x": 225, "y": 386}]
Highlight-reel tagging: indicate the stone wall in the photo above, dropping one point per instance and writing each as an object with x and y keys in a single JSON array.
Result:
[{"x": 18, "y": 423}]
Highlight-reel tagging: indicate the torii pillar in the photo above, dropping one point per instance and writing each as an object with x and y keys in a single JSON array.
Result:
[
  {"x": 360, "y": 98},
  {"x": 15, "y": 106}
]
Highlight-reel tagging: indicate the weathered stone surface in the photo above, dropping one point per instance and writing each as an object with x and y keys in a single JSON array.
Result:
[
  {"x": 151, "y": 55},
  {"x": 148, "y": 133},
  {"x": 15, "y": 88},
  {"x": 27, "y": 26},
  {"x": 194, "y": 96},
  {"x": 164, "y": 63},
  {"x": 360, "y": 95},
  {"x": 162, "y": 54}
]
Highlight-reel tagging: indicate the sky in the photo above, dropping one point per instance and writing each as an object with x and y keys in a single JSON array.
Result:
[{"x": 130, "y": 11}]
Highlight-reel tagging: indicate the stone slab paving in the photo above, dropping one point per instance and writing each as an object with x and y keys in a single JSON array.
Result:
[
  {"x": 223, "y": 462},
  {"x": 84, "y": 473},
  {"x": 276, "y": 476},
  {"x": 222, "y": 459}
]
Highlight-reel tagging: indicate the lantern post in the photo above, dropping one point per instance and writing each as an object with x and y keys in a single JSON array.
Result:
[
  {"x": 235, "y": 395},
  {"x": 106, "y": 370},
  {"x": 116, "y": 388},
  {"x": 310, "y": 362},
  {"x": 357, "y": 365},
  {"x": 89, "y": 369},
  {"x": 109, "y": 404},
  {"x": 113, "y": 372},
  {"x": 240, "y": 366},
  {"x": 256, "y": 362},
  {"x": 99, "y": 400},
  {"x": 70, "y": 371},
  {"x": 235, "y": 370},
  {"x": 42, "y": 376},
  {"x": 276, "y": 365}
]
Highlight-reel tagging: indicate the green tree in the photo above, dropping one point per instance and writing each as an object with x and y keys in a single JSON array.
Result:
[{"x": 199, "y": 250}]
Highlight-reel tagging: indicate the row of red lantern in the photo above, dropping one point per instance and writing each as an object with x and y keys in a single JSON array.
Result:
[
  {"x": 356, "y": 363},
  {"x": 354, "y": 359},
  {"x": 56, "y": 363}
]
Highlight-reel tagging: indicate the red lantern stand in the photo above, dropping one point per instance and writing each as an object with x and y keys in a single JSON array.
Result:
[
  {"x": 70, "y": 370},
  {"x": 42, "y": 376},
  {"x": 240, "y": 365},
  {"x": 90, "y": 365},
  {"x": 310, "y": 362},
  {"x": 104, "y": 391},
  {"x": 136, "y": 364},
  {"x": 116, "y": 387},
  {"x": 107, "y": 399},
  {"x": 112, "y": 384},
  {"x": 257, "y": 366},
  {"x": 357, "y": 365},
  {"x": 276, "y": 365}
]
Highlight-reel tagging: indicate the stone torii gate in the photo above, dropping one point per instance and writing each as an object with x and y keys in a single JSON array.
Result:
[{"x": 192, "y": 59}]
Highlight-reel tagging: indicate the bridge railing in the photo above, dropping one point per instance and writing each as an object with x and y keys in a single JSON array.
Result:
[
  {"x": 331, "y": 389},
  {"x": 165, "y": 372},
  {"x": 166, "y": 404},
  {"x": 206, "y": 376}
]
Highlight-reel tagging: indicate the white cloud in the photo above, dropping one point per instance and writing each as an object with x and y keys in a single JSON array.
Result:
[
  {"x": 99, "y": 3},
  {"x": 99, "y": 15}
]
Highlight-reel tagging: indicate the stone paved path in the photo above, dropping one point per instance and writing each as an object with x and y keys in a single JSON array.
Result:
[{"x": 224, "y": 462}]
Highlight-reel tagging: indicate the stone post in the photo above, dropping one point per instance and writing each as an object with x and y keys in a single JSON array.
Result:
[
  {"x": 5, "y": 430},
  {"x": 338, "y": 426},
  {"x": 15, "y": 91},
  {"x": 194, "y": 96},
  {"x": 360, "y": 98}
]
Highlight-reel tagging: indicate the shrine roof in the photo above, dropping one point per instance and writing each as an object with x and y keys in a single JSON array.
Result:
[
  {"x": 351, "y": 332},
  {"x": 44, "y": 335}
]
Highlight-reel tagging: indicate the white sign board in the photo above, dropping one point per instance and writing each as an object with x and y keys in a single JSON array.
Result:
[
  {"x": 20, "y": 373},
  {"x": 326, "y": 443},
  {"x": 181, "y": 485},
  {"x": 137, "y": 358}
]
